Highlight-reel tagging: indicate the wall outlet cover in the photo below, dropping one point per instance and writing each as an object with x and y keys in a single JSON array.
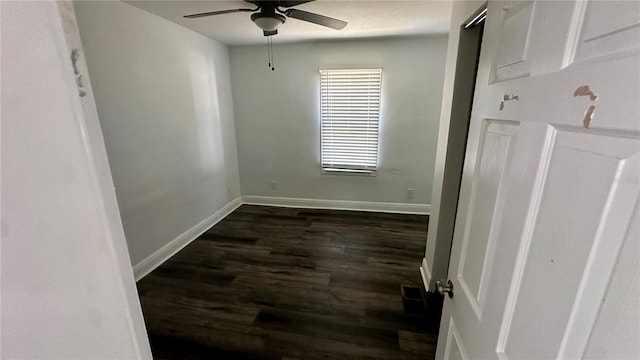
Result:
[{"x": 410, "y": 192}]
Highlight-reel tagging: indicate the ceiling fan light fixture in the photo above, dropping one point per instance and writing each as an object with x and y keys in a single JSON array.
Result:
[{"x": 268, "y": 22}]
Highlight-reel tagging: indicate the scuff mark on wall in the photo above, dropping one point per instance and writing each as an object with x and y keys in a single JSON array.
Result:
[{"x": 75, "y": 55}]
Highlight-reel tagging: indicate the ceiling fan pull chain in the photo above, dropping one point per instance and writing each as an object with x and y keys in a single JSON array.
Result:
[
  {"x": 268, "y": 53},
  {"x": 273, "y": 60}
]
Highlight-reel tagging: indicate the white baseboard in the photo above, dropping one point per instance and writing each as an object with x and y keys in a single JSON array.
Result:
[
  {"x": 164, "y": 253},
  {"x": 426, "y": 274},
  {"x": 161, "y": 255},
  {"x": 400, "y": 208}
]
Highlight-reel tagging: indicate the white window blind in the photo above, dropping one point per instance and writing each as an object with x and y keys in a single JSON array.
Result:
[{"x": 350, "y": 115}]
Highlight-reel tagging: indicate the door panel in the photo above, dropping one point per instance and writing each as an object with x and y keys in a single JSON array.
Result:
[
  {"x": 454, "y": 349},
  {"x": 511, "y": 59},
  {"x": 550, "y": 188},
  {"x": 477, "y": 255},
  {"x": 569, "y": 235},
  {"x": 615, "y": 334},
  {"x": 615, "y": 33}
]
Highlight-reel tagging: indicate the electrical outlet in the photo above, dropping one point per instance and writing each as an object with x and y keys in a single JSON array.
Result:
[
  {"x": 273, "y": 185},
  {"x": 410, "y": 193}
]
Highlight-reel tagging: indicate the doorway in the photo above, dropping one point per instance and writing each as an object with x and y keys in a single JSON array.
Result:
[{"x": 469, "y": 45}]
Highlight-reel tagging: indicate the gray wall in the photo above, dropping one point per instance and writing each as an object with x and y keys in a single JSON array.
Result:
[
  {"x": 164, "y": 100},
  {"x": 277, "y": 118}
]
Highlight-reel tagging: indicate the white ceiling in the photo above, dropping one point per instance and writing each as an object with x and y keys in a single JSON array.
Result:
[{"x": 366, "y": 18}]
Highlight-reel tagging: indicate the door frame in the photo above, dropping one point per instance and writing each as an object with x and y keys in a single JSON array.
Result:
[{"x": 465, "y": 41}]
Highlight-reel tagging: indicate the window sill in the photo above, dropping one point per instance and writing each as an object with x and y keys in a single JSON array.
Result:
[{"x": 348, "y": 172}]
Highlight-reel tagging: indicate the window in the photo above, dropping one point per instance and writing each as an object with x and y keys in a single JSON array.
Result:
[{"x": 350, "y": 114}]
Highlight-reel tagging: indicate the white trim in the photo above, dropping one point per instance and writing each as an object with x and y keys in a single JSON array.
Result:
[
  {"x": 161, "y": 255},
  {"x": 400, "y": 208},
  {"x": 426, "y": 274},
  {"x": 164, "y": 253}
]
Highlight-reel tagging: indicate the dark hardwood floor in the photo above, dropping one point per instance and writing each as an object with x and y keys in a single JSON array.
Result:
[{"x": 278, "y": 283}]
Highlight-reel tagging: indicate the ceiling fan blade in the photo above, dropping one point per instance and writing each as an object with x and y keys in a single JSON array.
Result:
[
  {"x": 269, "y": 33},
  {"x": 291, "y": 3},
  {"x": 211, "y": 13},
  {"x": 316, "y": 19}
]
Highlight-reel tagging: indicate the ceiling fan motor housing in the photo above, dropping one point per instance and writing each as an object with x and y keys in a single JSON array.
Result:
[{"x": 268, "y": 21}]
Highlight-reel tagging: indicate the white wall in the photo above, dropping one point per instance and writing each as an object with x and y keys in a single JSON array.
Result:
[
  {"x": 164, "y": 99},
  {"x": 67, "y": 287},
  {"x": 277, "y": 118},
  {"x": 460, "y": 12}
]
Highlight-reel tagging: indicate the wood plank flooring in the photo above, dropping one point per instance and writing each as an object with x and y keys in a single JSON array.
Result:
[{"x": 279, "y": 283}]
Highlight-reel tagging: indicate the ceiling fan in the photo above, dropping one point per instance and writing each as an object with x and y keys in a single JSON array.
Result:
[{"x": 268, "y": 15}]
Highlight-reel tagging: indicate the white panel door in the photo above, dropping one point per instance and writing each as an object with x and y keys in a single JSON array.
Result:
[{"x": 550, "y": 188}]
